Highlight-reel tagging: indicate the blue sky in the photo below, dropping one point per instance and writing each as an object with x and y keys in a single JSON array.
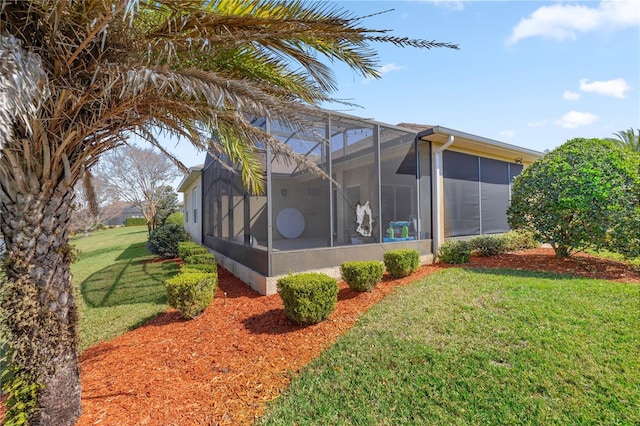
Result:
[{"x": 529, "y": 73}]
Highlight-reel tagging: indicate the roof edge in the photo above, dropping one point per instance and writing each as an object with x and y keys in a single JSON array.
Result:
[
  {"x": 193, "y": 174},
  {"x": 447, "y": 131}
]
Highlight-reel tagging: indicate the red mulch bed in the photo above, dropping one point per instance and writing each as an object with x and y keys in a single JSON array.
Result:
[
  {"x": 580, "y": 264},
  {"x": 222, "y": 367}
]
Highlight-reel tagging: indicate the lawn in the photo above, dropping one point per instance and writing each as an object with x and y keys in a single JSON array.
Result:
[
  {"x": 633, "y": 262},
  {"x": 120, "y": 288},
  {"x": 480, "y": 346}
]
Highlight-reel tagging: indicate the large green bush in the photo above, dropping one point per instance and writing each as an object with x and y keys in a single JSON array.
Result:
[
  {"x": 163, "y": 241},
  {"x": 401, "y": 263},
  {"x": 363, "y": 275},
  {"x": 309, "y": 297},
  {"x": 584, "y": 194},
  {"x": 191, "y": 292},
  {"x": 176, "y": 218},
  {"x": 455, "y": 251}
]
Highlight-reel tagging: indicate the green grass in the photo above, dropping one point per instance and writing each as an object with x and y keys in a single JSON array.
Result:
[
  {"x": 480, "y": 347},
  {"x": 119, "y": 288},
  {"x": 633, "y": 262}
]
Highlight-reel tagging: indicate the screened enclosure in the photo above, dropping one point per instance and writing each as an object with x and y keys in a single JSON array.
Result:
[
  {"x": 382, "y": 194},
  {"x": 379, "y": 194}
]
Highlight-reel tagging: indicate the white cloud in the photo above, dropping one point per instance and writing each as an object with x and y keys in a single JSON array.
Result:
[
  {"x": 570, "y": 96},
  {"x": 385, "y": 69},
  {"x": 564, "y": 21},
  {"x": 507, "y": 134},
  {"x": 447, "y": 4},
  {"x": 615, "y": 88},
  {"x": 450, "y": 4},
  {"x": 540, "y": 123},
  {"x": 574, "y": 119}
]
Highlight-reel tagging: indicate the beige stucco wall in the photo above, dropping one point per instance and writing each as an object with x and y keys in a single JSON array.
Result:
[{"x": 191, "y": 223}]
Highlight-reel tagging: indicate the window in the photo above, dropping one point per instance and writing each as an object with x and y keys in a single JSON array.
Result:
[
  {"x": 461, "y": 173},
  {"x": 477, "y": 192},
  {"x": 186, "y": 208},
  {"x": 194, "y": 201}
]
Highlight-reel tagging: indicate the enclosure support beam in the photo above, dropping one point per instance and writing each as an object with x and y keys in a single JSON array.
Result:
[
  {"x": 327, "y": 150},
  {"x": 269, "y": 159},
  {"x": 377, "y": 180},
  {"x": 438, "y": 196}
]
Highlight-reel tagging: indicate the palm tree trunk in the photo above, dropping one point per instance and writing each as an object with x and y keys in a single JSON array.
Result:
[{"x": 38, "y": 303}]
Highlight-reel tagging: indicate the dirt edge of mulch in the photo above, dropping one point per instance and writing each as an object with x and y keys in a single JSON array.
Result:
[{"x": 224, "y": 366}]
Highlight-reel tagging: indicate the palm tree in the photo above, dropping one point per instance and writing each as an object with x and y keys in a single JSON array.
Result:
[
  {"x": 628, "y": 139},
  {"x": 78, "y": 77}
]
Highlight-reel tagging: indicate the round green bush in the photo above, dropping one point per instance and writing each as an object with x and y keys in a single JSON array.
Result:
[
  {"x": 363, "y": 275},
  {"x": 520, "y": 239},
  {"x": 401, "y": 263},
  {"x": 200, "y": 267},
  {"x": 163, "y": 241},
  {"x": 177, "y": 218},
  {"x": 489, "y": 245},
  {"x": 188, "y": 248},
  {"x": 455, "y": 251},
  {"x": 191, "y": 292},
  {"x": 309, "y": 297},
  {"x": 200, "y": 258}
]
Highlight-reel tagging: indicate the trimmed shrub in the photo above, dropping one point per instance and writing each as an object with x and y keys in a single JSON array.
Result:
[
  {"x": 200, "y": 258},
  {"x": 135, "y": 221},
  {"x": 362, "y": 276},
  {"x": 455, "y": 251},
  {"x": 211, "y": 268},
  {"x": 189, "y": 248},
  {"x": 489, "y": 245},
  {"x": 176, "y": 218},
  {"x": 163, "y": 241},
  {"x": 309, "y": 297},
  {"x": 520, "y": 239},
  {"x": 401, "y": 263},
  {"x": 191, "y": 293}
]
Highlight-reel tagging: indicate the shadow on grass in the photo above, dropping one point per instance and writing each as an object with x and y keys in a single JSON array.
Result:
[
  {"x": 134, "y": 251},
  {"x": 129, "y": 281}
]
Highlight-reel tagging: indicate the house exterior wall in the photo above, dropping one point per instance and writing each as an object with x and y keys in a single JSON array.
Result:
[{"x": 192, "y": 209}]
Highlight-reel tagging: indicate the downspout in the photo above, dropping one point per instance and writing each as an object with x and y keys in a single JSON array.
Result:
[{"x": 438, "y": 228}]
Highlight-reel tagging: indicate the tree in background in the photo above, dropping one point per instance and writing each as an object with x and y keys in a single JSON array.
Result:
[
  {"x": 77, "y": 78},
  {"x": 583, "y": 194},
  {"x": 628, "y": 139},
  {"x": 167, "y": 205},
  {"x": 140, "y": 177},
  {"x": 89, "y": 211}
]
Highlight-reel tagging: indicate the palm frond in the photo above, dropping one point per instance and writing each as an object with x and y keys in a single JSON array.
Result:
[{"x": 186, "y": 67}]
